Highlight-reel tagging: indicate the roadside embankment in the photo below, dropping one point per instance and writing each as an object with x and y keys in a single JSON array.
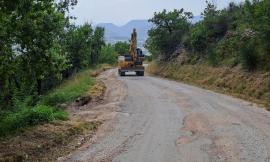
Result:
[
  {"x": 254, "y": 86},
  {"x": 52, "y": 138}
]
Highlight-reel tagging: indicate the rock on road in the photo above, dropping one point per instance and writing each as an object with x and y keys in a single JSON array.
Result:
[{"x": 166, "y": 121}]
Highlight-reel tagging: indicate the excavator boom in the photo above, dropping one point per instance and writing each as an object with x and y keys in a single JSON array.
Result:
[{"x": 133, "y": 44}]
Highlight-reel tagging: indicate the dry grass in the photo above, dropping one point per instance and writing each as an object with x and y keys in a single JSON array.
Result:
[
  {"x": 101, "y": 68},
  {"x": 97, "y": 91},
  {"x": 47, "y": 142},
  {"x": 254, "y": 87}
]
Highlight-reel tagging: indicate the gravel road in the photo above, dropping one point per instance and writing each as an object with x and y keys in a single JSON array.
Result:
[{"x": 158, "y": 120}]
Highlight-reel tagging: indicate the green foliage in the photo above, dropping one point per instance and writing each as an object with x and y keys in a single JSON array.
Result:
[
  {"x": 149, "y": 58},
  {"x": 48, "y": 108},
  {"x": 69, "y": 90},
  {"x": 168, "y": 32},
  {"x": 199, "y": 38},
  {"x": 77, "y": 43},
  {"x": 249, "y": 57},
  {"x": 98, "y": 42},
  {"x": 227, "y": 51},
  {"x": 83, "y": 46},
  {"x": 30, "y": 49},
  {"x": 39, "y": 49},
  {"x": 108, "y": 54},
  {"x": 262, "y": 19},
  {"x": 241, "y": 40},
  {"x": 236, "y": 35},
  {"x": 152, "y": 48},
  {"x": 14, "y": 122},
  {"x": 122, "y": 48},
  {"x": 212, "y": 58}
]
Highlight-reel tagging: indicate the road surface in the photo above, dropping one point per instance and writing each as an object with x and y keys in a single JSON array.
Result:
[{"x": 165, "y": 121}]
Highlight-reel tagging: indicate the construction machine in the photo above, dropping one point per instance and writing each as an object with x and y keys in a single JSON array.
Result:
[{"x": 132, "y": 62}]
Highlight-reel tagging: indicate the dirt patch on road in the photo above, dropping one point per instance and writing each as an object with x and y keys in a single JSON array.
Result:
[
  {"x": 197, "y": 124},
  {"x": 203, "y": 126}
]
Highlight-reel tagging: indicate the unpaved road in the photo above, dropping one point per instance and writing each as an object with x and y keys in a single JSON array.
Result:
[{"x": 161, "y": 120}]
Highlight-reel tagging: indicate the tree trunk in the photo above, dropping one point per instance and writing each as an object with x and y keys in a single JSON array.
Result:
[{"x": 39, "y": 86}]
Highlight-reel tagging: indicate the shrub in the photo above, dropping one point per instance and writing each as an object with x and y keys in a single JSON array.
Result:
[
  {"x": 212, "y": 57},
  {"x": 109, "y": 54},
  {"x": 26, "y": 117},
  {"x": 69, "y": 90},
  {"x": 249, "y": 57}
]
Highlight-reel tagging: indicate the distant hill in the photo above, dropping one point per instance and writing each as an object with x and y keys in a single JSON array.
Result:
[{"x": 114, "y": 33}]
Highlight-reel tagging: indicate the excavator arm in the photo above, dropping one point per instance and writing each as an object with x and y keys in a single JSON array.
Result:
[{"x": 133, "y": 45}]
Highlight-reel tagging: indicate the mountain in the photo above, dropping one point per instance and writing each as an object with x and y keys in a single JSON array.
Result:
[{"x": 114, "y": 33}]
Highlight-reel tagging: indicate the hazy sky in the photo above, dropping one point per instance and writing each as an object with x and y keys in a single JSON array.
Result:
[{"x": 120, "y": 12}]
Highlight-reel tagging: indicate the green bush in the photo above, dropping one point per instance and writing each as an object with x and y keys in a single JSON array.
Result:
[
  {"x": 249, "y": 57},
  {"x": 212, "y": 57},
  {"x": 108, "y": 54},
  {"x": 69, "y": 90},
  {"x": 165, "y": 39},
  {"x": 236, "y": 35},
  {"x": 26, "y": 117},
  {"x": 121, "y": 48}
]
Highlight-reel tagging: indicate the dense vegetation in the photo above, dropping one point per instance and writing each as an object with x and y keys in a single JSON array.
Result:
[
  {"x": 49, "y": 107},
  {"x": 110, "y": 52},
  {"x": 39, "y": 49},
  {"x": 238, "y": 35}
]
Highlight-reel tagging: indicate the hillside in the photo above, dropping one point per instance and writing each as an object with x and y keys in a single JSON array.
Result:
[{"x": 228, "y": 50}]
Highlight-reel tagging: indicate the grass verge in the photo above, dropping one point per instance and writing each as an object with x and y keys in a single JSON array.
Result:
[
  {"x": 49, "y": 108},
  {"x": 68, "y": 91},
  {"x": 53, "y": 138},
  {"x": 254, "y": 87}
]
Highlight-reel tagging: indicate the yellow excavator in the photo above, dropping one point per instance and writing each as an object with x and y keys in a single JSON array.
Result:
[{"x": 132, "y": 62}]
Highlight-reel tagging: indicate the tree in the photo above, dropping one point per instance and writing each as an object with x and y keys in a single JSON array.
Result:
[
  {"x": 199, "y": 38},
  {"x": 215, "y": 23},
  {"x": 168, "y": 31},
  {"x": 38, "y": 42},
  {"x": 29, "y": 44},
  {"x": 121, "y": 48},
  {"x": 108, "y": 54},
  {"x": 97, "y": 43},
  {"x": 78, "y": 44}
]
